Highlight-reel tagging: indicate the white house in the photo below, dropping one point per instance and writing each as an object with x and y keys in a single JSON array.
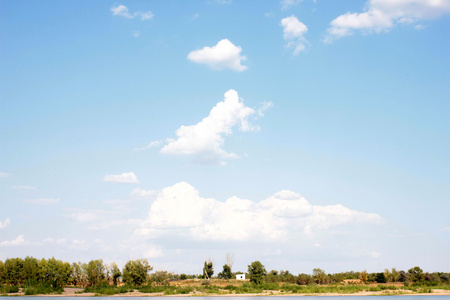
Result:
[{"x": 240, "y": 277}]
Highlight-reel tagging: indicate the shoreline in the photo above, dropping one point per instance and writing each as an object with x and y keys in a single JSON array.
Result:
[{"x": 72, "y": 293}]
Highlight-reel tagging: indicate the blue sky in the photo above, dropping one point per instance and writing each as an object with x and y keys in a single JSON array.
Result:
[{"x": 299, "y": 133}]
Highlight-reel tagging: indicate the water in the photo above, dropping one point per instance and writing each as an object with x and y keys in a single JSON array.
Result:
[{"x": 399, "y": 297}]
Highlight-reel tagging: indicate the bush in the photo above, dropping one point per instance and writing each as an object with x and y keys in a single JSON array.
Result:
[{"x": 12, "y": 289}]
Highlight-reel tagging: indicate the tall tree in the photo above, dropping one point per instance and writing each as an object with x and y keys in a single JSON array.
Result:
[
  {"x": 415, "y": 275},
  {"x": 208, "y": 269},
  {"x": 115, "y": 273},
  {"x": 319, "y": 276},
  {"x": 95, "y": 272},
  {"x": 256, "y": 272},
  {"x": 135, "y": 272},
  {"x": 226, "y": 273}
]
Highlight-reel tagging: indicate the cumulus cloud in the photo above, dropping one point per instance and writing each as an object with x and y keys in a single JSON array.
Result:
[
  {"x": 179, "y": 209},
  {"x": 382, "y": 15},
  {"x": 129, "y": 177},
  {"x": 447, "y": 229},
  {"x": 224, "y": 55},
  {"x": 122, "y": 10},
  {"x": 4, "y": 175},
  {"x": 5, "y": 223},
  {"x": 293, "y": 33},
  {"x": 42, "y": 201},
  {"x": 286, "y": 4},
  {"x": 206, "y": 138},
  {"x": 19, "y": 241}
]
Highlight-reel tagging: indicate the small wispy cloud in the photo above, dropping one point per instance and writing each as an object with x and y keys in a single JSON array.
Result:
[
  {"x": 293, "y": 32},
  {"x": 4, "y": 175},
  {"x": 122, "y": 10},
  {"x": 129, "y": 177},
  {"x": 286, "y": 4},
  {"x": 42, "y": 201},
  {"x": 152, "y": 144},
  {"x": 383, "y": 15},
  {"x": 196, "y": 16},
  {"x": 136, "y": 33},
  {"x": 5, "y": 223},
  {"x": 140, "y": 193},
  {"x": 23, "y": 187},
  {"x": 19, "y": 241}
]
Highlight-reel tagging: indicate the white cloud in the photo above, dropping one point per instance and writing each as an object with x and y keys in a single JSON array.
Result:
[
  {"x": 42, "y": 201},
  {"x": 122, "y": 10},
  {"x": 79, "y": 245},
  {"x": 5, "y": 223},
  {"x": 83, "y": 216},
  {"x": 419, "y": 27},
  {"x": 19, "y": 241},
  {"x": 223, "y": 1},
  {"x": 286, "y": 4},
  {"x": 265, "y": 106},
  {"x": 50, "y": 240},
  {"x": 195, "y": 16},
  {"x": 382, "y": 15},
  {"x": 293, "y": 32},
  {"x": 374, "y": 254},
  {"x": 447, "y": 229},
  {"x": 153, "y": 252},
  {"x": 224, "y": 55},
  {"x": 206, "y": 138},
  {"x": 179, "y": 209},
  {"x": 129, "y": 177},
  {"x": 140, "y": 193},
  {"x": 4, "y": 175},
  {"x": 136, "y": 33},
  {"x": 23, "y": 187},
  {"x": 152, "y": 144}
]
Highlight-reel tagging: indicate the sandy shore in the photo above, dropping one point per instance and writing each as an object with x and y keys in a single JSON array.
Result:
[{"x": 77, "y": 292}]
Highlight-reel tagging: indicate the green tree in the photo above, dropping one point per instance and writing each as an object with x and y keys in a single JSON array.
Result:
[
  {"x": 2, "y": 273},
  {"x": 380, "y": 278},
  {"x": 256, "y": 272},
  {"x": 135, "y": 272},
  {"x": 226, "y": 272},
  {"x": 78, "y": 277},
  {"x": 319, "y": 276},
  {"x": 30, "y": 270},
  {"x": 95, "y": 272},
  {"x": 115, "y": 273},
  {"x": 159, "y": 278},
  {"x": 14, "y": 271},
  {"x": 208, "y": 269},
  {"x": 394, "y": 275},
  {"x": 363, "y": 276},
  {"x": 415, "y": 275}
]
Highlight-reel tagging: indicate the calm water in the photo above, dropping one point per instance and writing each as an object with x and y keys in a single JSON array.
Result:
[{"x": 399, "y": 297}]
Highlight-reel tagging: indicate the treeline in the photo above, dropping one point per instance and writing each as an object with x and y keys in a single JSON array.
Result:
[
  {"x": 50, "y": 275},
  {"x": 56, "y": 273},
  {"x": 412, "y": 276}
]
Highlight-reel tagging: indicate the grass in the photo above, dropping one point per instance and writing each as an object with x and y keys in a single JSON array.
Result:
[
  {"x": 108, "y": 289},
  {"x": 42, "y": 289}
]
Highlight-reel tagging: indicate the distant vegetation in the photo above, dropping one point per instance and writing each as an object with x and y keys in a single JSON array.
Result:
[{"x": 46, "y": 276}]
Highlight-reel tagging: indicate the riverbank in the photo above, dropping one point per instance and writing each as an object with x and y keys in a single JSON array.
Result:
[{"x": 78, "y": 292}]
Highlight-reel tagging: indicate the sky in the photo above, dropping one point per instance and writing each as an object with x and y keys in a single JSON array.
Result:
[{"x": 303, "y": 134}]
